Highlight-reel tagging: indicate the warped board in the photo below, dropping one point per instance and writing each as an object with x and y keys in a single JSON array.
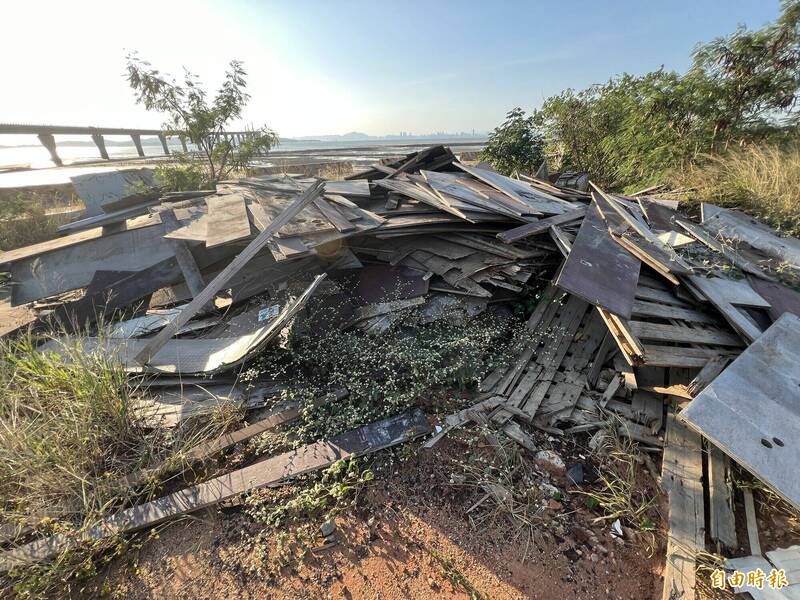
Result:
[
  {"x": 347, "y": 188},
  {"x": 202, "y": 355},
  {"x": 537, "y": 200},
  {"x": 11, "y": 256},
  {"x": 598, "y": 269},
  {"x": 447, "y": 183},
  {"x": 731, "y": 224},
  {"x": 537, "y": 227},
  {"x": 109, "y": 189},
  {"x": 227, "y": 220},
  {"x": 72, "y": 267},
  {"x": 752, "y": 410},
  {"x": 358, "y": 442}
]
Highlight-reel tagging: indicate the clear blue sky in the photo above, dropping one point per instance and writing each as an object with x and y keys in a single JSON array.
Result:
[{"x": 320, "y": 67}]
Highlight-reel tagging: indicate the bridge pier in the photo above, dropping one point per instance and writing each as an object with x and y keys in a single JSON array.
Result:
[
  {"x": 162, "y": 138},
  {"x": 137, "y": 141},
  {"x": 183, "y": 142},
  {"x": 49, "y": 142},
  {"x": 98, "y": 140}
]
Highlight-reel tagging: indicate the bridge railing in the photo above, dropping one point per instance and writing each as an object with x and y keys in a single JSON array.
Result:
[{"x": 47, "y": 133}]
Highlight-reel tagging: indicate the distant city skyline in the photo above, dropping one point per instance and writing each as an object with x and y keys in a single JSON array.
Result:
[{"x": 320, "y": 68}]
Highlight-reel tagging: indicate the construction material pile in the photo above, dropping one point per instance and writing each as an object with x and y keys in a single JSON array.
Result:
[{"x": 643, "y": 314}]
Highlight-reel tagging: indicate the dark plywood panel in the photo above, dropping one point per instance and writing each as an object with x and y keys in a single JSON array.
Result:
[
  {"x": 598, "y": 269},
  {"x": 782, "y": 299}
]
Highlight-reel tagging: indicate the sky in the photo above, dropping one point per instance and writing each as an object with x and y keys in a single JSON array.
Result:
[{"x": 335, "y": 66}]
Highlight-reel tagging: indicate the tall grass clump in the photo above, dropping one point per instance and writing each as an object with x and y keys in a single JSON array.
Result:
[
  {"x": 68, "y": 436},
  {"x": 23, "y": 221},
  {"x": 761, "y": 180}
]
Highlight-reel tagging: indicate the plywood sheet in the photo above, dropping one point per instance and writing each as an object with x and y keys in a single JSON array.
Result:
[
  {"x": 598, "y": 269},
  {"x": 752, "y": 410},
  {"x": 227, "y": 220},
  {"x": 73, "y": 267},
  {"x": 98, "y": 189}
]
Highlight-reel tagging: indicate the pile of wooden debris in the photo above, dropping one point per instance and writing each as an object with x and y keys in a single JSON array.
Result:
[{"x": 682, "y": 334}]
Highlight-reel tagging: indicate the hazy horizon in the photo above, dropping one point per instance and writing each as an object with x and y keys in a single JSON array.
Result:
[{"x": 323, "y": 69}]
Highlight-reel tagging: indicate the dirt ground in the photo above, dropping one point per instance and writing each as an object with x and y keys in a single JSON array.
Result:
[{"x": 408, "y": 536}]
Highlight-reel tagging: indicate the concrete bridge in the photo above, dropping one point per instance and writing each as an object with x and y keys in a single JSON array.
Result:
[{"x": 47, "y": 133}]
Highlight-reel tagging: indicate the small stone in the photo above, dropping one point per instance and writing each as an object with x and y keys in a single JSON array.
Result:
[
  {"x": 328, "y": 527},
  {"x": 601, "y": 549},
  {"x": 550, "y": 461},
  {"x": 432, "y": 583},
  {"x": 554, "y": 504},
  {"x": 549, "y": 490},
  {"x": 593, "y": 557}
]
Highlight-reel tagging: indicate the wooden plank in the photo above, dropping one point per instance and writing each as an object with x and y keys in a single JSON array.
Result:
[
  {"x": 284, "y": 413},
  {"x": 562, "y": 239},
  {"x": 72, "y": 267},
  {"x": 751, "y": 412},
  {"x": 752, "y": 523},
  {"x": 598, "y": 269},
  {"x": 233, "y": 267},
  {"x": 540, "y": 226},
  {"x": 642, "y": 229},
  {"x": 722, "y": 523},
  {"x": 735, "y": 291},
  {"x": 66, "y": 241},
  {"x": 649, "y": 256},
  {"x": 600, "y": 358},
  {"x": 227, "y": 219},
  {"x": 632, "y": 349},
  {"x": 642, "y": 308},
  {"x": 731, "y": 224},
  {"x": 787, "y": 559},
  {"x": 681, "y": 479},
  {"x": 186, "y": 262},
  {"x": 670, "y": 356},
  {"x": 334, "y": 215},
  {"x": 664, "y": 296},
  {"x": 702, "y": 236},
  {"x": 534, "y": 202},
  {"x": 358, "y": 442},
  {"x": 707, "y": 374},
  {"x": 348, "y": 188},
  {"x": 672, "y": 333},
  {"x": 716, "y": 295}
]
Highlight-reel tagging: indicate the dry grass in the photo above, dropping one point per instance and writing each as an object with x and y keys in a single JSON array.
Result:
[
  {"x": 24, "y": 222},
  {"x": 762, "y": 180},
  {"x": 68, "y": 437},
  {"x": 621, "y": 490}
]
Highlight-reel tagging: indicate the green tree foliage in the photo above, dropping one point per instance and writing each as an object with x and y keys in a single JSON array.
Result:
[
  {"x": 517, "y": 145},
  {"x": 192, "y": 114},
  {"x": 635, "y": 130}
]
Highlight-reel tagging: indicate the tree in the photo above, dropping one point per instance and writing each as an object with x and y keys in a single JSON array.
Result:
[
  {"x": 633, "y": 131},
  {"x": 755, "y": 76},
  {"x": 517, "y": 145},
  {"x": 190, "y": 113}
]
